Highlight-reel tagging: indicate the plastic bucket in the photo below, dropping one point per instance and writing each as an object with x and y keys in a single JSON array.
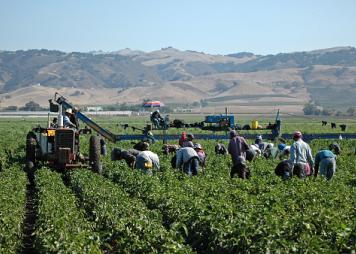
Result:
[{"x": 254, "y": 125}]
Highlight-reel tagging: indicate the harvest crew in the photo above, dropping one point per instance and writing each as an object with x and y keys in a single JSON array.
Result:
[
  {"x": 260, "y": 144},
  {"x": 147, "y": 161},
  {"x": 188, "y": 158},
  {"x": 201, "y": 154},
  {"x": 237, "y": 149},
  {"x": 183, "y": 138},
  {"x": 189, "y": 140},
  {"x": 220, "y": 149},
  {"x": 327, "y": 161},
  {"x": 68, "y": 119},
  {"x": 156, "y": 118},
  {"x": 128, "y": 155},
  {"x": 301, "y": 156}
]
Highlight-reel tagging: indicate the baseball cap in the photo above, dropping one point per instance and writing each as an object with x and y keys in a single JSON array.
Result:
[
  {"x": 297, "y": 134},
  {"x": 233, "y": 133}
]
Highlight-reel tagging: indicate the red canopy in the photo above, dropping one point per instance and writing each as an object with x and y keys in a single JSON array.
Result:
[{"x": 153, "y": 104}]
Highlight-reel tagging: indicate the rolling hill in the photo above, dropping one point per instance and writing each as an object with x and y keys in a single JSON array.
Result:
[{"x": 241, "y": 80}]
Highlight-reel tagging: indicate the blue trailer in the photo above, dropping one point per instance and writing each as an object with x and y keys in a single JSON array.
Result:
[{"x": 219, "y": 122}]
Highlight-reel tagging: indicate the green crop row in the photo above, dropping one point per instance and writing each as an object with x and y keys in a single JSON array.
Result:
[
  {"x": 12, "y": 208},
  {"x": 61, "y": 226},
  {"x": 217, "y": 214},
  {"x": 127, "y": 226}
]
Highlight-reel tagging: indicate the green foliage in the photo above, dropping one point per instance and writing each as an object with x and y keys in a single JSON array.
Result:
[
  {"x": 62, "y": 227},
  {"x": 12, "y": 208},
  {"x": 127, "y": 226},
  {"x": 311, "y": 109},
  {"x": 32, "y": 106},
  {"x": 217, "y": 214}
]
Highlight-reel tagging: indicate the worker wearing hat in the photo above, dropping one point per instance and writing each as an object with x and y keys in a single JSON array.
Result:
[
  {"x": 67, "y": 122},
  {"x": 187, "y": 159},
  {"x": 156, "y": 118},
  {"x": 189, "y": 140},
  {"x": 128, "y": 155},
  {"x": 201, "y": 154},
  {"x": 237, "y": 149},
  {"x": 147, "y": 161},
  {"x": 301, "y": 156}
]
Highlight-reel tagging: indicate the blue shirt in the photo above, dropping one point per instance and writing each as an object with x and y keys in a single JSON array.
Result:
[
  {"x": 67, "y": 122},
  {"x": 323, "y": 154}
]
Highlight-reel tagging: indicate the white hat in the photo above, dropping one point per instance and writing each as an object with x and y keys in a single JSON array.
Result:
[
  {"x": 197, "y": 146},
  {"x": 69, "y": 110}
]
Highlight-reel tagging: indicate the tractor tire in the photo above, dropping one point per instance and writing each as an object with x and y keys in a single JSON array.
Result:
[
  {"x": 30, "y": 150},
  {"x": 94, "y": 154}
]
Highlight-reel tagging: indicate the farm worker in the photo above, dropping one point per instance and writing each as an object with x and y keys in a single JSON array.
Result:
[
  {"x": 335, "y": 147},
  {"x": 54, "y": 123},
  {"x": 156, "y": 118},
  {"x": 284, "y": 169},
  {"x": 67, "y": 119},
  {"x": 301, "y": 156},
  {"x": 237, "y": 147},
  {"x": 256, "y": 150},
  {"x": 128, "y": 155},
  {"x": 166, "y": 122},
  {"x": 260, "y": 144},
  {"x": 220, "y": 149},
  {"x": 283, "y": 150},
  {"x": 141, "y": 146},
  {"x": 189, "y": 140},
  {"x": 147, "y": 161},
  {"x": 182, "y": 138},
  {"x": 201, "y": 154},
  {"x": 167, "y": 148},
  {"x": 188, "y": 158},
  {"x": 280, "y": 152},
  {"x": 327, "y": 162},
  {"x": 240, "y": 168}
]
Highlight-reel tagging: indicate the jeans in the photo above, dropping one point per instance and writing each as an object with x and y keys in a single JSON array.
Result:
[
  {"x": 191, "y": 166},
  {"x": 241, "y": 170},
  {"x": 299, "y": 170},
  {"x": 327, "y": 167}
]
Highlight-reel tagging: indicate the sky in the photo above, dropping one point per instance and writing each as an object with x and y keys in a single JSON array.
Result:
[{"x": 214, "y": 27}]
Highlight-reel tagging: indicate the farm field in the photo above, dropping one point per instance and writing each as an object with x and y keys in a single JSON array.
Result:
[{"x": 124, "y": 211}]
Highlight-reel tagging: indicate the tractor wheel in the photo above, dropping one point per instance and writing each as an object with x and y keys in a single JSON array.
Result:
[
  {"x": 31, "y": 150},
  {"x": 94, "y": 154}
]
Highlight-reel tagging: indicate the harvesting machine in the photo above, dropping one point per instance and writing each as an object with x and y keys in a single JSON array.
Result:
[{"x": 59, "y": 147}]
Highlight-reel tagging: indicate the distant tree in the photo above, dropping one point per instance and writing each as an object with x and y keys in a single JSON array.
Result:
[
  {"x": 196, "y": 104},
  {"x": 311, "y": 109},
  {"x": 327, "y": 112},
  {"x": 31, "y": 106},
  {"x": 339, "y": 113},
  {"x": 203, "y": 103},
  {"x": 10, "y": 108},
  {"x": 351, "y": 111}
]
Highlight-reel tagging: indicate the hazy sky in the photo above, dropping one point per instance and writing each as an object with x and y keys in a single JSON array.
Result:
[{"x": 216, "y": 27}]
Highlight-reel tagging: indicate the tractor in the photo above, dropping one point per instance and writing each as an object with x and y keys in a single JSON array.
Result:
[{"x": 59, "y": 146}]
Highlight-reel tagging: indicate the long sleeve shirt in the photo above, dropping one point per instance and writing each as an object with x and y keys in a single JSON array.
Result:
[
  {"x": 147, "y": 157},
  {"x": 67, "y": 122},
  {"x": 184, "y": 154},
  {"x": 322, "y": 155},
  {"x": 300, "y": 152},
  {"x": 237, "y": 148}
]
